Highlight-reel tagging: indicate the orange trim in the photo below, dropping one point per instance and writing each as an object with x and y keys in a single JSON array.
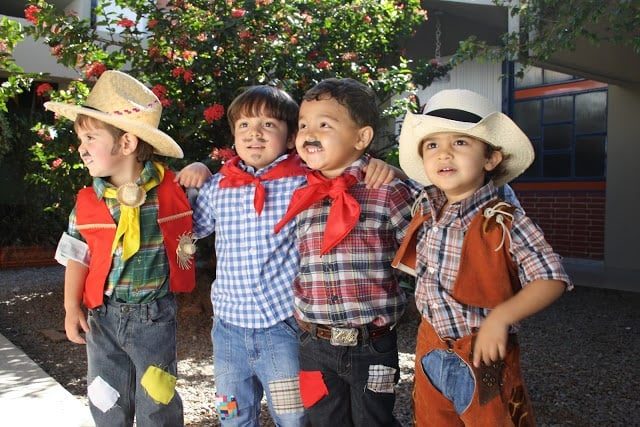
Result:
[
  {"x": 558, "y": 89},
  {"x": 562, "y": 186}
]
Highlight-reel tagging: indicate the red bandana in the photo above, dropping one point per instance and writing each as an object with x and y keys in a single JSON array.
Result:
[
  {"x": 344, "y": 212},
  {"x": 236, "y": 177}
]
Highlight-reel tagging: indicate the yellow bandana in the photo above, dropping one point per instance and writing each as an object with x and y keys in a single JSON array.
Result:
[{"x": 131, "y": 196}]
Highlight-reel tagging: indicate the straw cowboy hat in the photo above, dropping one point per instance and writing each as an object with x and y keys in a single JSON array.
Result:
[
  {"x": 124, "y": 102},
  {"x": 465, "y": 112}
]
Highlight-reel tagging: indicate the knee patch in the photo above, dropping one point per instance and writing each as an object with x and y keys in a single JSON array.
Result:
[
  {"x": 226, "y": 406},
  {"x": 382, "y": 379},
  {"x": 102, "y": 395},
  {"x": 312, "y": 387},
  {"x": 159, "y": 384},
  {"x": 285, "y": 396}
]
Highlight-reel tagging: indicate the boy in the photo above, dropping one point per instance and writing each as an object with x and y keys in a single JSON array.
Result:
[
  {"x": 347, "y": 298},
  {"x": 126, "y": 274},
  {"x": 254, "y": 334},
  {"x": 482, "y": 264}
]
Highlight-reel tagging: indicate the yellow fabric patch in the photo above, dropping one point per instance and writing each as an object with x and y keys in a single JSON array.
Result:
[{"x": 160, "y": 385}]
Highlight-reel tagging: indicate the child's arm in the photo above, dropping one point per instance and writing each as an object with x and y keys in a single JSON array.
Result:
[
  {"x": 193, "y": 175},
  {"x": 491, "y": 342},
  {"x": 378, "y": 173},
  {"x": 75, "y": 319}
]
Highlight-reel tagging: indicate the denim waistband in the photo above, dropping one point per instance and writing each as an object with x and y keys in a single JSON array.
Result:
[{"x": 142, "y": 311}]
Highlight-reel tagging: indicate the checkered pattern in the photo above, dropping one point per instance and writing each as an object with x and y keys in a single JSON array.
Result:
[
  {"x": 255, "y": 267},
  {"x": 285, "y": 396},
  {"x": 143, "y": 277},
  {"x": 354, "y": 283},
  {"x": 439, "y": 252},
  {"x": 381, "y": 379}
]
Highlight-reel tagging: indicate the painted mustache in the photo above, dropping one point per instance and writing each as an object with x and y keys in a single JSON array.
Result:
[{"x": 312, "y": 144}]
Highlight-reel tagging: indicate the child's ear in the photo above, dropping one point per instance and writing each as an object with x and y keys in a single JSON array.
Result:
[
  {"x": 365, "y": 136},
  {"x": 129, "y": 143},
  {"x": 493, "y": 161},
  {"x": 291, "y": 141}
]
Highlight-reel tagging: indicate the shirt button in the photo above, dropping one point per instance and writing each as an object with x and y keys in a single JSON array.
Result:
[
  {"x": 435, "y": 229},
  {"x": 431, "y": 270},
  {"x": 252, "y": 251},
  {"x": 334, "y": 298},
  {"x": 434, "y": 305}
]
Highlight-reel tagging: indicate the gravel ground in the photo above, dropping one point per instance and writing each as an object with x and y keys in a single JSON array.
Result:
[{"x": 580, "y": 356}]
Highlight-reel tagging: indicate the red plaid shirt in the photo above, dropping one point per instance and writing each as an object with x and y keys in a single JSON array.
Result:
[
  {"x": 354, "y": 283},
  {"x": 440, "y": 248}
]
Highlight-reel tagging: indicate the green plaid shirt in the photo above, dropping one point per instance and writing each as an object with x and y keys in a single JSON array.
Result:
[{"x": 145, "y": 276}]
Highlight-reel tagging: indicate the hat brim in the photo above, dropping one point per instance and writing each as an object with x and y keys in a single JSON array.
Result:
[
  {"x": 162, "y": 143},
  {"x": 496, "y": 129}
]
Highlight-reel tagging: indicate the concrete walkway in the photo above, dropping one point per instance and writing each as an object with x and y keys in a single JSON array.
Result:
[{"x": 29, "y": 397}]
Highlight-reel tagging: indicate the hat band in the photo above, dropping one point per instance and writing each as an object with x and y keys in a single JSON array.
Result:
[{"x": 455, "y": 114}]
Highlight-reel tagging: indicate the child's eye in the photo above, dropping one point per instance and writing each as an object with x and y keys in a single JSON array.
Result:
[
  {"x": 268, "y": 124},
  {"x": 302, "y": 126},
  {"x": 460, "y": 142},
  {"x": 429, "y": 145},
  {"x": 324, "y": 125},
  {"x": 242, "y": 125}
]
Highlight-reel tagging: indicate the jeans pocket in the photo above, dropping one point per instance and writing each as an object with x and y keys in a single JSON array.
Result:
[
  {"x": 304, "y": 337},
  {"x": 289, "y": 326},
  {"x": 385, "y": 344},
  {"x": 162, "y": 311}
]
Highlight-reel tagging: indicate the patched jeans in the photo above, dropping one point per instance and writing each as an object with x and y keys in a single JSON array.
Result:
[
  {"x": 349, "y": 386},
  {"x": 249, "y": 362},
  {"x": 451, "y": 376},
  {"x": 132, "y": 364}
]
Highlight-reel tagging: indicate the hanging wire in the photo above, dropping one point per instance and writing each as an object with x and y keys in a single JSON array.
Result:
[{"x": 438, "y": 34}]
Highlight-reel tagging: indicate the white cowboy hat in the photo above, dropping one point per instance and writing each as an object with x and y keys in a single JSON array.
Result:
[
  {"x": 124, "y": 102},
  {"x": 468, "y": 113}
]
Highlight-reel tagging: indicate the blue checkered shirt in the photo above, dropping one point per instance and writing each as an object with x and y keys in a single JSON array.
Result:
[{"x": 255, "y": 268}]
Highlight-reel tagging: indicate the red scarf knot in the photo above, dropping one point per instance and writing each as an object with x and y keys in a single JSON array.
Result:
[
  {"x": 343, "y": 214},
  {"x": 236, "y": 177}
]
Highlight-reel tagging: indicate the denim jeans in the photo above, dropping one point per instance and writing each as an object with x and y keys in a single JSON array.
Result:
[
  {"x": 360, "y": 381},
  {"x": 249, "y": 362},
  {"x": 451, "y": 376},
  {"x": 127, "y": 344}
]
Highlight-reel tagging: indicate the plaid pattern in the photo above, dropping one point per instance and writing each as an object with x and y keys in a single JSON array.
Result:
[
  {"x": 144, "y": 276},
  {"x": 381, "y": 379},
  {"x": 354, "y": 283},
  {"x": 255, "y": 267},
  {"x": 440, "y": 248},
  {"x": 285, "y": 395}
]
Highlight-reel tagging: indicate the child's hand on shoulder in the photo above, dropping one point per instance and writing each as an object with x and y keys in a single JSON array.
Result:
[
  {"x": 193, "y": 175},
  {"x": 491, "y": 341},
  {"x": 378, "y": 173}
]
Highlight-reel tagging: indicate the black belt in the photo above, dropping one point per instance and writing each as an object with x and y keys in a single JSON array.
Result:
[{"x": 367, "y": 332}]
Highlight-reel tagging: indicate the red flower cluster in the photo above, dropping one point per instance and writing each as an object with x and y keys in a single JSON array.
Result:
[
  {"x": 187, "y": 76},
  {"x": 238, "y": 13},
  {"x": 95, "y": 69},
  {"x": 177, "y": 72},
  {"x": 189, "y": 54},
  {"x": 126, "y": 23},
  {"x": 222, "y": 154},
  {"x": 31, "y": 14},
  {"x": 161, "y": 92},
  {"x": 213, "y": 113},
  {"x": 151, "y": 24},
  {"x": 56, "y": 50},
  {"x": 56, "y": 163},
  {"x": 324, "y": 64},
  {"x": 43, "y": 89}
]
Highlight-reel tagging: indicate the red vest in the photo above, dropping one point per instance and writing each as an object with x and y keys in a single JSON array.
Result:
[
  {"x": 486, "y": 277},
  {"x": 96, "y": 225}
]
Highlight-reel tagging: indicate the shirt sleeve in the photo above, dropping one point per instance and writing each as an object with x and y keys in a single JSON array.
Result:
[
  {"x": 72, "y": 248},
  {"x": 509, "y": 196},
  {"x": 400, "y": 203},
  {"x": 204, "y": 218},
  {"x": 535, "y": 258},
  {"x": 72, "y": 229}
]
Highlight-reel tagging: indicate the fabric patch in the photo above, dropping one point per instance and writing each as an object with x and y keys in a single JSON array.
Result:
[
  {"x": 312, "y": 387},
  {"x": 102, "y": 395},
  {"x": 285, "y": 396},
  {"x": 226, "y": 406},
  {"x": 381, "y": 379},
  {"x": 160, "y": 384}
]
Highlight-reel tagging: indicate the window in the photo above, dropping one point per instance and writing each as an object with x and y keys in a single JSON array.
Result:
[
  {"x": 568, "y": 132},
  {"x": 534, "y": 76}
]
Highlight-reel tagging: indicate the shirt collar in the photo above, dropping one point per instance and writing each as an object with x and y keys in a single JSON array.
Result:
[
  {"x": 356, "y": 168},
  {"x": 148, "y": 172},
  {"x": 251, "y": 170},
  {"x": 465, "y": 209}
]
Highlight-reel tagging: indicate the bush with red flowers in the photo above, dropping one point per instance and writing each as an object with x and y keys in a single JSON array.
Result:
[{"x": 197, "y": 55}]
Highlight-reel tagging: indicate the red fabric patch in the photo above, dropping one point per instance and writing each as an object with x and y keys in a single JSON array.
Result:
[{"x": 312, "y": 388}]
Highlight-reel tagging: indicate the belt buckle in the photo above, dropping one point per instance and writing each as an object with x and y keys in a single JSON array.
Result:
[{"x": 344, "y": 336}]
